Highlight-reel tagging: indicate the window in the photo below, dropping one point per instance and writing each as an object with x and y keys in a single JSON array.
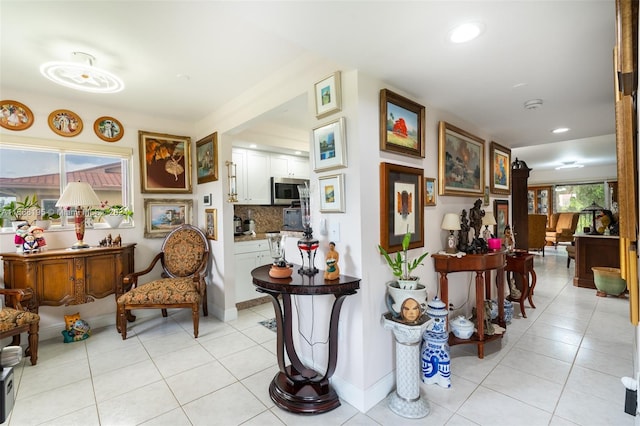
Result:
[
  {"x": 575, "y": 197},
  {"x": 28, "y": 169}
]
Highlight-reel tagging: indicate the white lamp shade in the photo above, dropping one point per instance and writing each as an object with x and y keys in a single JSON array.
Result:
[
  {"x": 451, "y": 222},
  {"x": 78, "y": 194},
  {"x": 489, "y": 219}
]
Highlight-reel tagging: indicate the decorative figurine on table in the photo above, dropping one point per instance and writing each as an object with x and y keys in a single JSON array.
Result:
[
  {"x": 38, "y": 234},
  {"x": 279, "y": 268},
  {"x": 509, "y": 242},
  {"x": 333, "y": 270},
  {"x": 475, "y": 217},
  {"x": 463, "y": 233},
  {"x": 21, "y": 232}
]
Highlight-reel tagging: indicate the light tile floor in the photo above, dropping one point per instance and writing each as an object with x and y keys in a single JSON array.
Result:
[{"x": 560, "y": 366}]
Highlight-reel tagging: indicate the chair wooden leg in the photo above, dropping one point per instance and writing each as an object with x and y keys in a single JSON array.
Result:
[
  {"x": 205, "y": 308},
  {"x": 195, "y": 313},
  {"x": 121, "y": 322},
  {"x": 15, "y": 340},
  {"x": 32, "y": 350},
  {"x": 164, "y": 312}
]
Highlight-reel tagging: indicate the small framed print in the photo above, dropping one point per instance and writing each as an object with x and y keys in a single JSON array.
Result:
[
  {"x": 499, "y": 174},
  {"x": 429, "y": 191},
  {"x": 207, "y": 200},
  {"x": 163, "y": 216},
  {"x": 486, "y": 196},
  {"x": 402, "y": 124},
  {"x": 211, "y": 220},
  {"x": 332, "y": 193},
  {"x": 207, "y": 158},
  {"x": 108, "y": 129},
  {"x": 328, "y": 95},
  {"x": 501, "y": 212},
  {"x": 329, "y": 146},
  {"x": 65, "y": 123},
  {"x": 15, "y": 115}
]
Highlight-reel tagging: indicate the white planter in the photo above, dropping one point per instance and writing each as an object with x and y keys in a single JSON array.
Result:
[
  {"x": 44, "y": 224},
  {"x": 396, "y": 297},
  {"x": 113, "y": 220}
]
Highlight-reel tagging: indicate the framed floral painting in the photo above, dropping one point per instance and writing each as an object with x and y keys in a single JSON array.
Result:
[{"x": 165, "y": 163}]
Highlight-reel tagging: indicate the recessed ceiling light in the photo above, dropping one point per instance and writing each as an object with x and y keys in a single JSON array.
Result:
[
  {"x": 298, "y": 152},
  {"x": 560, "y": 130},
  {"x": 253, "y": 145},
  {"x": 465, "y": 32},
  {"x": 533, "y": 104},
  {"x": 570, "y": 165},
  {"x": 82, "y": 76}
]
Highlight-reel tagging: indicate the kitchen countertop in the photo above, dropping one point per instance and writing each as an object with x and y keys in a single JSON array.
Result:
[{"x": 263, "y": 236}]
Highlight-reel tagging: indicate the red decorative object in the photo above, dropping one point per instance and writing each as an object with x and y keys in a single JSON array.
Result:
[{"x": 400, "y": 128}]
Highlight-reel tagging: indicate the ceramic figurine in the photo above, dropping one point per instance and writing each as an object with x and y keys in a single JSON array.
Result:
[
  {"x": 509, "y": 242},
  {"x": 436, "y": 361},
  {"x": 333, "y": 270}
]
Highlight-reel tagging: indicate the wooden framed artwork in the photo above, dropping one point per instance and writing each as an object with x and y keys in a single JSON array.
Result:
[
  {"x": 165, "y": 163},
  {"x": 402, "y": 124},
  {"x": 329, "y": 146},
  {"x": 163, "y": 216},
  {"x": 108, "y": 129},
  {"x": 500, "y": 169},
  {"x": 429, "y": 191},
  {"x": 65, "y": 123},
  {"x": 207, "y": 158},
  {"x": 211, "y": 219},
  {"x": 328, "y": 95},
  {"x": 460, "y": 162},
  {"x": 401, "y": 206},
  {"x": 501, "y": 212},
  {"x": 332, "y": 193},
  {"x": 15, "y": 115}
]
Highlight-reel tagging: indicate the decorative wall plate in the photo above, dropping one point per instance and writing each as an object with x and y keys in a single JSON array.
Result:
[
  {"x": 15, "y": 115},
  {"x": 65, "y": 123},
  {"x": 108, "y": 129}
]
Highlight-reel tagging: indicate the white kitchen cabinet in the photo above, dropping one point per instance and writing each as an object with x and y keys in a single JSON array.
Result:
[
  {"x": 253, "y": 171},
  {"x": 248, "y": 256},
  {"x": 289, "y": 166}
]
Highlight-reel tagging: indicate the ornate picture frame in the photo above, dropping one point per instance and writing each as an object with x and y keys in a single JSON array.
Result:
[
  {"x": 328, "y": 94},
  {"x": 108, "y": 129},
  {"x": 501, "y": 213},
  {"x": 164, "y": 215},
  {"x": 402, "y": 125},
  {"x": 207, "y": 158},
  {"x": 211, "y": 224},
  {"x": 15, "y": 115},
  {"x": 330, "y": 146},
  {"x": 460, "y": 162},
  {"x": 65, "y": 123},
  {"x": 165, "y": 163},
  {"x": 500, "y": 169},
  {"x": 430, "y": 191},
  {"x": 331, "y": 190},
  {"x": 401, "y": 206}
]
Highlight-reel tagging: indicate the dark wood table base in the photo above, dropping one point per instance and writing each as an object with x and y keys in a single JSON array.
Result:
[
  {"x": 521, "y": 263},
  {"x": 302, "y": 397}
]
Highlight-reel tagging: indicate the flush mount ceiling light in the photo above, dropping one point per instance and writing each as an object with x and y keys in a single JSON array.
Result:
[
  {"x": 560, "y": 130},
  {"x": 465, "y": 32},
  {"x": 533, "y": 104},
  {"x": 82, "y": 75},
  {"x": 570, "y": 165}
]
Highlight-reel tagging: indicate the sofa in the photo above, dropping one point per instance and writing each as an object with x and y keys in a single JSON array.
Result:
[
  {"x": 537, "y": 232},
  {"x": 561, "y": 228}
]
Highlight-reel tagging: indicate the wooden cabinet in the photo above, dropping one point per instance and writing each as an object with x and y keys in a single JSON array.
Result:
[
  {"x": 594, "y": 250},
  {"x": 519, "y": 215},
  {"x": 69, "y": 277},
  {"x": 248, "y": 256},
  {"x": 540, "y": 200},
  {"x": 252, "y": 176}
]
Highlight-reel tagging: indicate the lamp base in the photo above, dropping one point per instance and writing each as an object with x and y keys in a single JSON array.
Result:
[{"x": 80, "y": 245}]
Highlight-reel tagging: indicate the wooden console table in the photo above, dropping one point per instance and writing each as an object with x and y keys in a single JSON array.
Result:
[
  {"x": 69, "y": 276},
  {"x": 594, "y": 250},
  {"x": 521, "y": 262},
  {"x": 482, "y": 265},
  {"x": 297, "y": 388}
]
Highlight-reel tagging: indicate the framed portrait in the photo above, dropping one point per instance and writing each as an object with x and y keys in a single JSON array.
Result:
[
  {"x": 460, "y": 162},
  {"x": 165, "y": 163},
  {"x": 330, "y": 146},
  {"x": 163, "y": 216},
  {"x": 500, "y": 171},
  {"x": 328, "y": 95},
  {"x": 65, "y": 123},
  {"x": 402, "y": 124},
  {"x": 401, "y": 206},
  {"x": 501, "y": 212},
  {"x": 207, "y": 158},
  {"x": 108, "y": 129},
  {"x": 331, "y": 193},
  {"x": 429, "y": 191},
  {"x": 15, "y": 115},
  {"x": 211, "y": 221}
]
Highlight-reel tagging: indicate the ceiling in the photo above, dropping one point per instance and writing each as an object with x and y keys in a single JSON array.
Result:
[{"x": 182, "y": 59}]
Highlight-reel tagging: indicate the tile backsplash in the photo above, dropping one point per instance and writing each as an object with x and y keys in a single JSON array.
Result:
[{"x": 267, "y": 218}]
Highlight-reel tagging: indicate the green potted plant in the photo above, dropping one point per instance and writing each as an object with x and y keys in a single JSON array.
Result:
[
  {"x": 113, "y": 215},
  {"x": 45, "y": 220},
  {"x": 400, "y": 265},
  {"x": 17, "y": 210}
]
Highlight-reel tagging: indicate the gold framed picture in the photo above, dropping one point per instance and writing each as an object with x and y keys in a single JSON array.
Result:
[
  {"x": 211, "y": 221},
  {"x": 165, "y": 163},
  {"x": 108, "y": 129},
  {"x": 15, "y": 115},
  {"x": 65, "y": 123},
  {"x": 402, "y": 124},
  {"x": 207, "y": 158},
  {"x": 429, "y": 191},
  {"x": 500, "y": 171},
  {"x": 460, "y": 162}
]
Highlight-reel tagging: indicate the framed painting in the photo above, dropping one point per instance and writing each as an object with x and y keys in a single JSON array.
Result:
[
  {"x": 485, "y": 201},
  {"x": 108, "y": 129},
  {"x": 163, "y": 216},
  {"x": 501, "y": 212},
  {"x": 331, "y": 193},
  {"x": 401, "y": 206},
  {"x": 207, "y": 158},
  {"x": 329, "y": 146},
  {"x": 328, "y": 95},
  {"x": 460, "y": 162},
  {"x": 211, "y": 219},
  {"x": 15, "y": 115},
  {"x": 402, "y": 124},
  {"x": 500, "y": 171},
  {"x": 65, "y": 123},
  {"x": 429, "y": 191},
  {"x": 165, "y": 163}
]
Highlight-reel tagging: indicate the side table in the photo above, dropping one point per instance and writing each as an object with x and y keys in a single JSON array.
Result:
[{"x": 521, "y": 262}]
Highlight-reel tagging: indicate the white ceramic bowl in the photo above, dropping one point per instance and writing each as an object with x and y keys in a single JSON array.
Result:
[{"x": 461, "y": 327}]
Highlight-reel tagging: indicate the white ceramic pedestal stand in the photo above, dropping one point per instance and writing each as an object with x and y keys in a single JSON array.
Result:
[{"x": 406, "y": 400}]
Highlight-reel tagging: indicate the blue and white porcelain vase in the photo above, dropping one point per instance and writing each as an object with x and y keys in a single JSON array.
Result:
[
  {"x": 437, "y": 312},
  {"x": 508, "y": 311},
  {"x": 436, "y": 362}
]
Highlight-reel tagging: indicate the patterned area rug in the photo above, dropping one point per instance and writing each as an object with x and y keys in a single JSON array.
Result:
[{"x": 270, "y": 324}]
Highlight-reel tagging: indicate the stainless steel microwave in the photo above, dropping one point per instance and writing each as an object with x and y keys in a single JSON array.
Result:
[{"x": 285, "y": 190}]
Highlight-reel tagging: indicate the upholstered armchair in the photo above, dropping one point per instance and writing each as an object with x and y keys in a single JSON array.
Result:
[
  {"x": 537, "y": 232},
  {"x": 184, "y": 255},
  {"x": 16, "y": 319},
  {"x": 561, "y": 228}
]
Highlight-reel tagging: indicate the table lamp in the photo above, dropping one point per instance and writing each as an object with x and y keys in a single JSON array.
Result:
[
  {"x": 593, "y": 208},
  {"x": 78, "y": 195},
  {"x": 308, "y": 244},
  {"x": 488, "y": 220},
  {"x": 451, "y": 222}
]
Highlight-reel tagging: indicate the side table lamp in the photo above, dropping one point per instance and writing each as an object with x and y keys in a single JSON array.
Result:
[
  {"x": 78, "y": 195},
  {"x": 488, "y": 220},
  {"x": 451, "y": 222}
]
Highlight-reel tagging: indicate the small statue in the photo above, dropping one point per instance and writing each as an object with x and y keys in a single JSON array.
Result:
[
  {"x": 509, "y": 242},
  {"x": 102, "y": 242},
  {"x": 333, "y": 270},
  {"x": 489, "y": 329},
  {"x": 475, "y": 215},
  {"x": 117, "y": 241},
  {"x": 30, "y": 244},
  {"x": 463, "y": 233},
  {"x": 38, "y": 234},
  {"x": 109, "y": 240}
]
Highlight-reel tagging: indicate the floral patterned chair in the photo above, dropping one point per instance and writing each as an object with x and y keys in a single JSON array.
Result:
[
  {"x": 184, "y": 255},
  {"x": 17, "y": 319}
]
